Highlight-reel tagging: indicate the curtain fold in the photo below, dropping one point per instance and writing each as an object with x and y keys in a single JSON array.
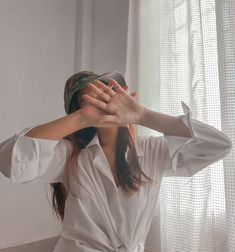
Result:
[
  {"x": 175, "y": 57},
  {"x": 225, "y": 17}
]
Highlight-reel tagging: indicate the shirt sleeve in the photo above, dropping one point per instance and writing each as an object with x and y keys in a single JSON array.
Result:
[
  {"x": 186, "y": 156},
  {"x": 25, "y": 159}
]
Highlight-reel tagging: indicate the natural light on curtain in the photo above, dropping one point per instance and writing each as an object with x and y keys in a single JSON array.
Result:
[{"x": 172, "y": 57}]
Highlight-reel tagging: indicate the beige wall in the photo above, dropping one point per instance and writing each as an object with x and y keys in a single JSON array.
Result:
[
  {"x": 39, "y": 51},
  {"x": 37, "y": 54}
]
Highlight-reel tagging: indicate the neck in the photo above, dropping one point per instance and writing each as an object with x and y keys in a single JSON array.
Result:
[{"x": 108, "y": 137}]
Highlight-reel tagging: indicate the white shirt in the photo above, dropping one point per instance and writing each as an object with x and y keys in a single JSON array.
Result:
[{"x": 102, "y": 218}]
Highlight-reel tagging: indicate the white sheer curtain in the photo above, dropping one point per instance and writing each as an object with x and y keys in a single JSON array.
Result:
[{"x": 184, "y": 50}]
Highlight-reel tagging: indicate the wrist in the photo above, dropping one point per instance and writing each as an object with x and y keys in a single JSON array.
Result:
[
  {"x": 80, "y": 120},
  {"x": 141, "y": 115}
]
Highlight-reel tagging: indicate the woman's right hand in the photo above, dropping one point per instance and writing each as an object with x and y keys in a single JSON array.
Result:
[{"x": 91, "y": 116}]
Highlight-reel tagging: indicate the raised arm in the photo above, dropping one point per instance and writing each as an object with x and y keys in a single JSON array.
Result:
[
  {"x": 59, "y": 128},
  {"x": 166, "y": 124},
  {"x": 189, "y": 144},
  {"x": 185, "y": 156},
  {"x": 39, "y": 153}
]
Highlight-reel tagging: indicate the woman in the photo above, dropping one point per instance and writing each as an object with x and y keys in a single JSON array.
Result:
[{"x": 106, "y": 179}]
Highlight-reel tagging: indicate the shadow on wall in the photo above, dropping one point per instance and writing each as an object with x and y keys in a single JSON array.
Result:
[{"x": 46, "y": 245}]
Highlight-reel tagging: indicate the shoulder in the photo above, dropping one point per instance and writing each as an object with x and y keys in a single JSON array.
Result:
[
  {"x": 151, "y": 142},
  {"x": 154, "y": 149}
]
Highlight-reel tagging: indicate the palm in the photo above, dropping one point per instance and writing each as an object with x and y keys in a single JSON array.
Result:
[
  {"x": 92, "y": 115},
  {"x": 112, "y": 108}
]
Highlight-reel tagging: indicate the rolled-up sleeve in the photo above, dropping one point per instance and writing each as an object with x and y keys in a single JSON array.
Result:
[
  {"x": 25, "y": 159},
  {"x": 186, "y": 156}
]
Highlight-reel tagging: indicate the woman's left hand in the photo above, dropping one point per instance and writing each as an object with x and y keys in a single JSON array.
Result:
[{"x": 120, "y": 106}]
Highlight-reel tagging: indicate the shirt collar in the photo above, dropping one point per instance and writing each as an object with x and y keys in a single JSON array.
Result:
[{"x": 95, "y": 141}]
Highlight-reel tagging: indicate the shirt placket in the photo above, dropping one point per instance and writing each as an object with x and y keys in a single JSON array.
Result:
[{"x": 100, "y": 161}]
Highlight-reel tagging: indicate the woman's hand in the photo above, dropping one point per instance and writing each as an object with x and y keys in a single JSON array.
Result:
[
  {"x": 91, "y": 116},
  {"x": 119, "y": 107}
]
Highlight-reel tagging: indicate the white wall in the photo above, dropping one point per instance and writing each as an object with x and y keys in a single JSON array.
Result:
[
  {"x": 110, "y": 34},
  {"x": 104, "y": 24},
  {"x": 40, "y": 48},
  {"x": 37, "y": 43}
]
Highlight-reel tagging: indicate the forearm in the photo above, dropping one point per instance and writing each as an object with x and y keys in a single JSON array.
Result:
[
  {"x": 168, "y": 125},
  {"x": 59, "y": 128}
]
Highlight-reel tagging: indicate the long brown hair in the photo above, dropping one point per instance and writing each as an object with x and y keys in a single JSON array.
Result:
[{"x": 128, "y": 174}]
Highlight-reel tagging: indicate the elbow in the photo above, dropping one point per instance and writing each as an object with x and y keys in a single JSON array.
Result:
[
  {"x": 224, "y": 143},
  {"x": 227, "y": 143},
  {"x": 226, "y": 148},
  {"x": 5, "y": 172},
  {"x": 229, "y": 146},
  {"x": 22, "y": 171}
]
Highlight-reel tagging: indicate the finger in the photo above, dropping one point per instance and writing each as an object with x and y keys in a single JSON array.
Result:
[
  {"x": 99, "y": 92},
  {"x": 100, "y": 84},
  {"x": 110, "y": 85},
  {"x": 107, "y": 88},
  {"x": 95, "y": 102},
  {"x": 117, "y": 87},
  {"x": 125, "y": 88},
  {"x": 134, "y": 94}
]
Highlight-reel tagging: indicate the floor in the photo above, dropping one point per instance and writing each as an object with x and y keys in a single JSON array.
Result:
[{"x": 46, "y": 245}]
